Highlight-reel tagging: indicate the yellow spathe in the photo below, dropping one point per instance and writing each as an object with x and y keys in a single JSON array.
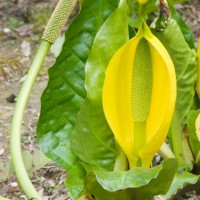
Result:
[{"x": 139, "y": 96}]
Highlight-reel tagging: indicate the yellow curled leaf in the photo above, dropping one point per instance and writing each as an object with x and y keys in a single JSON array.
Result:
[{"x": 139, "y": 95}]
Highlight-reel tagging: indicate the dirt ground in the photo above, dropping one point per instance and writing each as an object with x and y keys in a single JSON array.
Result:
[{"x": 21, "y": 26}]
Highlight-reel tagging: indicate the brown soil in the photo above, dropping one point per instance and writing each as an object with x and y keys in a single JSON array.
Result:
[{"x": 20, "y": 31}]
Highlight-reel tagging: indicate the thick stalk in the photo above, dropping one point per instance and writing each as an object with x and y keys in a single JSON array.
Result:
[
  {"x": 2, "y": 198},
  {"x": 121, "y": 162},
  {"x": 15, "y": 138},
  {"x": 165, "y": 152}
]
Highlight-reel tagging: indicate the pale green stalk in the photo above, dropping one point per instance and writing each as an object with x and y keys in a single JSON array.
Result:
[
  {"x": 189, "y": 159},
  {"x": 15, "y": 138},
  {"x": 121, "y": 162},
  {"x": 53, "y": 29},
  {"x": 165, "y": 152}
]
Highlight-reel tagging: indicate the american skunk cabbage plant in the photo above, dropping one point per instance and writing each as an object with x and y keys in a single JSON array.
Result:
[
  {"x": 139, "y": 96},
  {"x": 120, "y": 92}
]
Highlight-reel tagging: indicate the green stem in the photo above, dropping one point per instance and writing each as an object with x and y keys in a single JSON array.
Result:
[
  {"x": 176, "y": 138},
  {"x": 165, "y": 152},
  {"x": 15, "y": 138},
  {"x": 121, "y": 162}
]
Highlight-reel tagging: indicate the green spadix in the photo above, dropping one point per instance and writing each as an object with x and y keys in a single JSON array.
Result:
[{"x": 139, "y": 96}]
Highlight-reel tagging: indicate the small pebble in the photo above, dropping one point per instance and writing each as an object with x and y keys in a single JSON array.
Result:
[{"x": 13, "y": 184}]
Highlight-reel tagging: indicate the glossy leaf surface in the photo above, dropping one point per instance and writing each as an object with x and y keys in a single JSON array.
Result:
[
  {"x": 75, "y": 181},
  {"x": 65, "y": 91},
  {"x": 92, "y": 140},
  {"x": 137, "y": 183},
  {"x": 93, "y": 187},
  {"x": 184, "y": 60},
  {"x": 186, "y": 31}
]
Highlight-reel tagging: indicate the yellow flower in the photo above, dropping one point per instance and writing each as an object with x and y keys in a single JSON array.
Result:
[{"x": 139, "y": 96}]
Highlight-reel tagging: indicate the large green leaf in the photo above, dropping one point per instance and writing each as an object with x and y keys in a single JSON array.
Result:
[
  {"x": 168, "y": 169},
  {"x": 186, "y": 88},
  {"x": 137, "y": 183},
  {"x": 180, "y": 181},
  {"x": 92, "y": 140},
  {"x": 186, "y": 31},
  {"x": 120, "y": 180},
  {"x": 94, "y": 188},
  {"x": 144, "y": 181},
  {"x": 65, "y": 91},
  {"x": 75, "y": 181},
  {"x": 193, "y": 138},
  {"x": 184, "y": 60},
  {"x": 174, "y": 41}
]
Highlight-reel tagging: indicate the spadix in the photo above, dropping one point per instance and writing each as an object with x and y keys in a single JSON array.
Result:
[{"x": 139, "y": 95}]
